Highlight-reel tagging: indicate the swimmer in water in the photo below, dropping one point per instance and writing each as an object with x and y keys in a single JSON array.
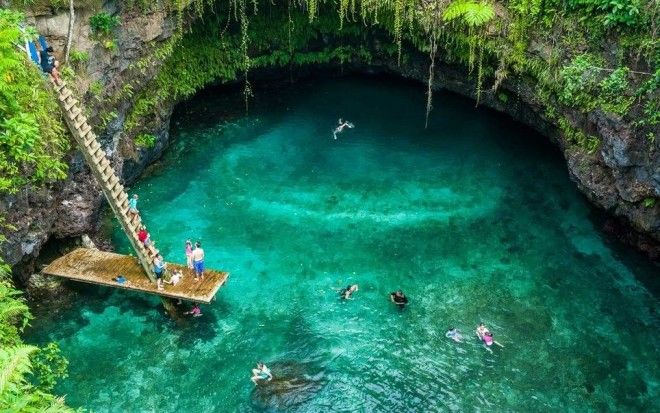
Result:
[
  {"x": 261, "y": 373},
  {"x": 399, "y": 298},
  {"x": 486, "y": 336},
  {"x": 345, "y": 293},
  {"x": 481, "y": 330},
  {"x": 341, "y": 125},
  {"x": 454, "y": 334}
]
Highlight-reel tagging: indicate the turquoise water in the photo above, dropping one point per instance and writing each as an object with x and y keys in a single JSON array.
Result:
[{"x": 474, "y": 218}]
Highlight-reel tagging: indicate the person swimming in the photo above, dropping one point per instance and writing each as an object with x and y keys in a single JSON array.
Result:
[
  {"x": 340, "y": 127},
  {"x": 481, "y": 330},
  {"x": 195, "y": 311},
  {"x": 345, "y": 293},
  {"x": 454, "y": 334},
  {"x": 486, "y": 336},
  {"x": 399, "y": 298},
  {"x": 261, "y": 373}
]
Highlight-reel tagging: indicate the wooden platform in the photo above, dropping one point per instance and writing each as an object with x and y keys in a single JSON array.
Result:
[{"x": 100, "y": 267}]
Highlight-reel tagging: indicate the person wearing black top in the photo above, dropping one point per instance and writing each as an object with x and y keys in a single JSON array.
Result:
[
  {"x": 399, "y": 298},
  {"x": 49, "y": 64}
]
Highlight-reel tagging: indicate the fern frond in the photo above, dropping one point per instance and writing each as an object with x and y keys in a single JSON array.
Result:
[
  {"x": 469, "y": 12},
  {"x": 14, "y": 365}
]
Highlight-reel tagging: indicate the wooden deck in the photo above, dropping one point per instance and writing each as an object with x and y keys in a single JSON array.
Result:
[{"x": 100, "y": 267}]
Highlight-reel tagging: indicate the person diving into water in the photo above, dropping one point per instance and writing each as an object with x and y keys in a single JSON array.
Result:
[{"x": 341, "y": 124}]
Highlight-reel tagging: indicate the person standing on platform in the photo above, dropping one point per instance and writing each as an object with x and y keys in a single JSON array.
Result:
[
  {"x": 159, "y": 270},
  {"x": 198, "y": 261},
  {"x": 189, "y": 254}
]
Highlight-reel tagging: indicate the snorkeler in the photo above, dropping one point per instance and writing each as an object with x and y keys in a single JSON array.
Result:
[
  {"x": 454, "y": 334},
  {"x": 340, "y": 127},
  {"x": 261, "y": 373},
  {"x": 345, "y": 293},
  {"x": 399, "y": 298}
]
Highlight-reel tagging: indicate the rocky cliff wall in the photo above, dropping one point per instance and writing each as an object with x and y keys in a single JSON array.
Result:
[
  {"x": 616, "y": 178},
  {"x": 72, "y": 207}
]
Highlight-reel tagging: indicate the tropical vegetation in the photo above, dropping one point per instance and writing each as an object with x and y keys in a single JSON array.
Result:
[{"x": 579, "y": 56}]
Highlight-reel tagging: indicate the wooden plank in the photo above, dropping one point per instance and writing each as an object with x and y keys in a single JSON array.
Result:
[{"x": 100, "y": 267}]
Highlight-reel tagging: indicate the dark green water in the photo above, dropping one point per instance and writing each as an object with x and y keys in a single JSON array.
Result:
[{"x": 475, "y": 219}]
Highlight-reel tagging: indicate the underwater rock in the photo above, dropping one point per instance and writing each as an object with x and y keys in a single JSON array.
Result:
[{"x": 293, "y": 384}]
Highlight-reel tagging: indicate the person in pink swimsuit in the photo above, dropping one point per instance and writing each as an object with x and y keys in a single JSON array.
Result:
[{"x": 189, "y": 254}]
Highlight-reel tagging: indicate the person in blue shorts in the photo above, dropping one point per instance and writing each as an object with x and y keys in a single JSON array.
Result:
[
  {"x": 159, "y": 270},
  {"x": 198, "y": 261}
]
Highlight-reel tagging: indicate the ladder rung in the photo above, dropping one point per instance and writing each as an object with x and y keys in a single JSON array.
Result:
[
  {"x": 80, "y": 123},
  {"x": 65, "y": 94},
  {"x": 94, "y": 147},
  {"x": 61, "y": 86},
  {"x": 119, "y": 188},
  {"x": 85, "y": 130},
  {"x": 98, "y": 155},
  {"x": 75, "y": 112},
  {"x": 68, "y": 105},
  {"x": 135, "y": 237},
  {"x": 104, "y": 163},
  {"x": 110, "y": 185},
  {"x": 111, "y": 179},
  {"x": 79, "y": 118},
  {"x": 105, "y": 168}
]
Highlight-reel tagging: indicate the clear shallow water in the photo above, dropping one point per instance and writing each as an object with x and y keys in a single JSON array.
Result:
[{"x": 475, "y": 219}]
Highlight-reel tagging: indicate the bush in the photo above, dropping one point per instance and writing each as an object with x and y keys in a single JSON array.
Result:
[
  {"x": 610, "y": 13},
  {"x": 102, "y": 23},
  {"x": 145, "y": 140},
  {"x": 32, "y": 138},
  {"x": 78, "y": 57}
]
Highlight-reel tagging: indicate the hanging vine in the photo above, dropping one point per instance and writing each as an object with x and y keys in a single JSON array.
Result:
[
  {"x": 475, "y": 16},
  {"x": 433, "y": 6},
  {"x": 399, "y": 16},
  {"x": 247, "y": 90},
  {"x": 312, "y": 9},
  {"x": 343, "y": 12}
]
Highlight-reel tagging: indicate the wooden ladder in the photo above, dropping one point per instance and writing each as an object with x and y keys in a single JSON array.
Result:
[{"x": 105, "y": 175}]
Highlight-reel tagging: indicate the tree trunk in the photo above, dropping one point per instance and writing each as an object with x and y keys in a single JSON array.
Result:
[{"x": 69, "y": 35}]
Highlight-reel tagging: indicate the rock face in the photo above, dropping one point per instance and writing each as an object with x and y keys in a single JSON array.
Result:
[
  {"x": 72, "y": 207},
  {"x": 617, "y": 178}
]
